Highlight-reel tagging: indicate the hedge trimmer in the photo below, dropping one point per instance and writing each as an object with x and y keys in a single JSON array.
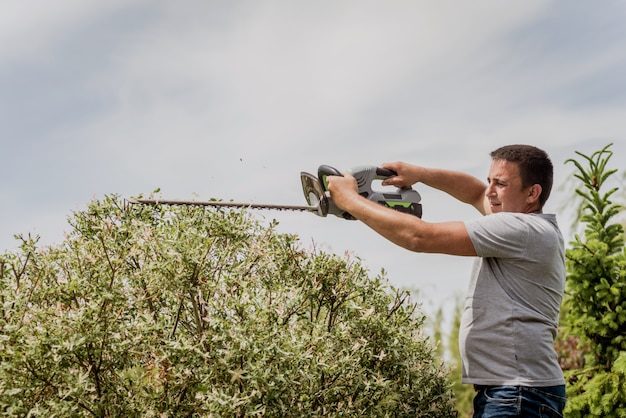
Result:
[{"x": 318, "y": 199}]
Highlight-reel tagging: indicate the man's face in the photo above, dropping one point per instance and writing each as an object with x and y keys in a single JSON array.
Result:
[{"x": 504, "y": 192}]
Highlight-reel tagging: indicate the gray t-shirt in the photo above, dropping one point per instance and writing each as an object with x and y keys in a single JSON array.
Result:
[{"x": 511, "y": 314}]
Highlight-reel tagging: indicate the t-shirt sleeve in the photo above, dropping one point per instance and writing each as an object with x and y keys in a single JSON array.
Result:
[{"x": 501, "y": 235}]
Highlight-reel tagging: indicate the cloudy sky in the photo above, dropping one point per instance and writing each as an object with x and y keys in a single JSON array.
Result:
[{"x": 232, "y": 99}]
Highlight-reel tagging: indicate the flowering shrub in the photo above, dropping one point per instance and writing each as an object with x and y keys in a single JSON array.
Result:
[{"x": 179, "y": 311}]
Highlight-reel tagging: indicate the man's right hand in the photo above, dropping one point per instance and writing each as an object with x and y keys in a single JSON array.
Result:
[{"x": 406, "y": 174}]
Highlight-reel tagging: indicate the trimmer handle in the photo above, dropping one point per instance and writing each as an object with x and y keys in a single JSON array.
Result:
[
  {"x": 385, "y": 173},
  {"x": 323, "y": 172},
  {"x": 404, "y": 200},
  {"x": 364, "y": 175}
]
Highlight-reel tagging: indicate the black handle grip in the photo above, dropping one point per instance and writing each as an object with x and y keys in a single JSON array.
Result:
[{"x": 385, "y": 172}]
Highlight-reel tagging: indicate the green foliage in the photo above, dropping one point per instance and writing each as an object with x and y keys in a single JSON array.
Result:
[
  {"x": 596, "y": 297},
  {"x": 178, "y": 311}
]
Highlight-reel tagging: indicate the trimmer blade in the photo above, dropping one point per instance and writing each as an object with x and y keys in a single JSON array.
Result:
[{"x": 314, "y": 193}]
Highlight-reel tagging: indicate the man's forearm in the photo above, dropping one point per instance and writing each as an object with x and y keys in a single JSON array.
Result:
[
  {"x": 461, "y": 186},
  {"x": 408, "y": 231}
]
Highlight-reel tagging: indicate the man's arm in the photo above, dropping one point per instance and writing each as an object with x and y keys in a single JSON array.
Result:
[
  {"x": 463, "y": 187},
  {"x": 402, "y": 229}
]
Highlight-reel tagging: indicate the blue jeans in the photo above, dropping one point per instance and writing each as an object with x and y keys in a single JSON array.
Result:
[{"x": 519, "y": 401}]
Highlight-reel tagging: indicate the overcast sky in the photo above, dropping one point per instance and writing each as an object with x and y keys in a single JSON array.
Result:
[{"x": 232, "y": 99}]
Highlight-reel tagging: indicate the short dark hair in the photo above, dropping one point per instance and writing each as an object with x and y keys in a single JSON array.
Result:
[{"x": 534, "y": 166}]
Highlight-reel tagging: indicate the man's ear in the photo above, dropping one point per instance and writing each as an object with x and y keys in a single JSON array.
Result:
[{"x": 533, "y": 193}]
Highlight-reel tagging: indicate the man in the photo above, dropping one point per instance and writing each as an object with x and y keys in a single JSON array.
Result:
[{"x": 511, "y": 313}]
